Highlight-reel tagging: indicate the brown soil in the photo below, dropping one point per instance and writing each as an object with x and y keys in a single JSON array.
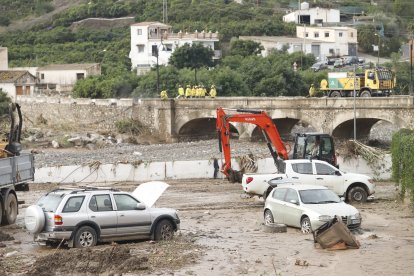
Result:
[{"x": 221, "y": 234}]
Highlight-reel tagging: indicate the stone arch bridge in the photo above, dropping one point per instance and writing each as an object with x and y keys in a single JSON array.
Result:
[{"x": 185, "y": 119}]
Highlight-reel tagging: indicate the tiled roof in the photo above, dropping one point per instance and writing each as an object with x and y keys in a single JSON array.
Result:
[
  {"x": 9, "y": 76},
  {"x": 149, "y": 23},
  {"x": 73, "y": 66}
]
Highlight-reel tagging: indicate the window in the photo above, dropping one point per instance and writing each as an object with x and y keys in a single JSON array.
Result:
[
  {"x": 125, "y": 202},
  {"x": 168, "y": 47},
  {"x": 326, "y": 34},
  {"x": 318, "y": 21},
  {"x": 140, "y": 48},
  {"x": 50, "y": 202},
  {"x": 324, "y": 169},
  {"x": 279, "y": 194},
  {"x": 80, "y": 76},
  {"x": 331, "y": 51},
  {"x": 302, "y": 168},
  {"x": 100, "y": 203},
  {"x": 291, "y": 195},
  {"x": 73, "y": 204},
  {"x": 306, "y": 34},
  {"x": 352, "y": 34},
  {"x": 340, "y": 34},
  {"x": 139, "y": 32},
  {"x": 42, "y": 76},
  {"x": 316, "y": 34}
]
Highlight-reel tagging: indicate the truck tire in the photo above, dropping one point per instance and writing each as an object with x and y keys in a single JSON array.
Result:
[
  {"x": 10, "y": 209},
  {"x": 34, "y": 219},
  {"x": 357, "y": 194},
  {"x": 274, "y": 228},
  {"x": 335, "y": 94},
  {"x": 365, "y": 93},
  {"x": 1, "y": 208}
]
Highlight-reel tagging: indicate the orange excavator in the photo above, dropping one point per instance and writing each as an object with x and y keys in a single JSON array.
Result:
[
  {"x": 303, "y": 142},
  {"x": 259, "y": 118}
]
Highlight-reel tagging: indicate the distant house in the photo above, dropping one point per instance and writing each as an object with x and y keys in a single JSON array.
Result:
[
  {"x": 322, "y": 42},
  {"x": 60, "y": 78},
  {"x": 313, "y": 16},
  {"x": 16, "y": 83},
  {"x": 150, "y": 40}
]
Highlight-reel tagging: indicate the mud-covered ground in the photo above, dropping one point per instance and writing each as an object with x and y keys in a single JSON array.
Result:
[{"x": 221, "y": 234}]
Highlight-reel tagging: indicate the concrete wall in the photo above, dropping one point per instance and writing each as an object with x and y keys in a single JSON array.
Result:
[
  {"x": 10, "y": 90},
  {"x": 178, "y": 170}
]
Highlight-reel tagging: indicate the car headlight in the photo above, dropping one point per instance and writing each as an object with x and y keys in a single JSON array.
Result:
[
  {"x": 356, "y": 216},
  {"x": 325, "y": 218}
]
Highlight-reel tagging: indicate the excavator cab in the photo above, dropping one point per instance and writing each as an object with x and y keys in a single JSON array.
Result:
[{"x": 315, "y": 146}]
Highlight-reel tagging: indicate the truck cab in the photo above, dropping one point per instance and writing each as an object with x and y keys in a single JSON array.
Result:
[{"x": 315, "y": 146}]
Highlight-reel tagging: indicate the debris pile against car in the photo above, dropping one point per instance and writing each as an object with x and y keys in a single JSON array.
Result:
[{"x": 334, "y": 235}]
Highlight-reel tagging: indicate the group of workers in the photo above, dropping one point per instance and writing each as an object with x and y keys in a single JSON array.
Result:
[{"x": 196, "y": 91}]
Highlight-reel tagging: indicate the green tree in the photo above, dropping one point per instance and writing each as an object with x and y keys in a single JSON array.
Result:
[
  {"x": 245, "y": 48},
  {"x": 192, "y": 56},
  {"x": 4, "y": 103}
]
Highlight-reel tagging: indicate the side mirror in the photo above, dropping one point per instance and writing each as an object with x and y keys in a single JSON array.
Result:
[
  {"x": 140, "y": 206},
  {"x": 338, "y": 173},
  {"x": 294, "y": 201},
  {"x": 342, "y": 198}
]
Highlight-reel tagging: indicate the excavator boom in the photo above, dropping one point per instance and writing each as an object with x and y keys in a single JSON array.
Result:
[{"x": 259, "y": 118}]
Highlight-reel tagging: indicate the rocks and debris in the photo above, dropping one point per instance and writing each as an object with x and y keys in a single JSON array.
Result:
[{"x": 5, "y": 237}]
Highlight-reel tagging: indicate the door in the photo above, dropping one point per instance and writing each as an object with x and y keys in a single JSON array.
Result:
[
  {"x": 19, "y": 90},
  {"x": 292, "y": 213},
  {"x": 27, "y": 92},
  {"x": 303, "y": 173},
  {"x": 130, "y": 220},
  {"x": 329, "y": 177},
  {"x": 277, "y": 204},
  {"x": 100, "y": 210},
  {"x": 316, "y": 50}
]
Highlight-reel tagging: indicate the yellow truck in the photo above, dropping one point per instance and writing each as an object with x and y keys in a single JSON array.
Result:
[{"x": 373, "y": 82}]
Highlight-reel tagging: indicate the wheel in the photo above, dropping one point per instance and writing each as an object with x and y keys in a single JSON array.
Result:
[
  {"x": 357, "y": 194},
  {"x": 305, "y": 225},
  {"x": 1, "y": 208},
  {"x": 335, "y": 94},
  {"x": 85, "y": 237},
  {"x": 10, "y": 209},
  {"x": 365, "y": 93},
  {"x": 164, "y": 231},
  {"x": 268, "y": 217},
  {"x": 34, "y": 219}
]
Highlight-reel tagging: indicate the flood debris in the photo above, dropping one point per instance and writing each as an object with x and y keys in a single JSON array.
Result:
[{"x": 334, "y": 235}]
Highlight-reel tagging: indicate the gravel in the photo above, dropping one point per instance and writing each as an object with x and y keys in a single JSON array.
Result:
[{"x": 128, "y": 153}]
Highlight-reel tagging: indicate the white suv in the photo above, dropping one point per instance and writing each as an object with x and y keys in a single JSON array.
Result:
[{"x": 84, "y": 216}]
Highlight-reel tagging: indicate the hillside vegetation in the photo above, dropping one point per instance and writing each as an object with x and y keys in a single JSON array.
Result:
[{"x": 56, "y": 42}]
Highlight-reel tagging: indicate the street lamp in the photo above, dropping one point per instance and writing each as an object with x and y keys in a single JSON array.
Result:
[{"x": 158, "y": 70}]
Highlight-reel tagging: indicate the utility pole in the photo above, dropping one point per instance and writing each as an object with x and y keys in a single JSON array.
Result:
[{"x": 411, "y": 66}]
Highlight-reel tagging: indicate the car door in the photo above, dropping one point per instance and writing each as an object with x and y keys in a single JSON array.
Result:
[
  {"x": 329, "y": 176},
  {"x": 292, "y": 211},
  {"x": 277, "y": 204},
  {"x": 131, "y": 221},
  {"x": 303, "y": 173},
  {"x": 101, "y": 211}
]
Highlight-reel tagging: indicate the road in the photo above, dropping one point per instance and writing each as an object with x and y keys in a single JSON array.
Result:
[{"x": 221, "y": 234}]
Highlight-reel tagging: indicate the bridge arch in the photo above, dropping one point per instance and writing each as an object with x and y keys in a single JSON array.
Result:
[{"x": 202, "y": 129}]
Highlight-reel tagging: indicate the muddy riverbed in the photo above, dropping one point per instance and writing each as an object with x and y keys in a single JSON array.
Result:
[{"x": 221, "y": 234}]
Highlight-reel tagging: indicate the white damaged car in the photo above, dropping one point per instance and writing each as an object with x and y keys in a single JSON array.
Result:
[
  {"x": 83, "y": 216},
  {"x": 308, "y": 207}
]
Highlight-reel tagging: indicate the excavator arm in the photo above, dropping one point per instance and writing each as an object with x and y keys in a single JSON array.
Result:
[{"x": 258, "y": 118}]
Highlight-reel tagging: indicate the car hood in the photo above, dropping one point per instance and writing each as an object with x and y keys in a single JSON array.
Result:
[
  {"x": 149, "y": 192},
  {"x": 332, "y": 209}
]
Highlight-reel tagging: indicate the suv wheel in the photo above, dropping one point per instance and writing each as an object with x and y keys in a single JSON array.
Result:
[
  {"x": 85, "y": 237},
  {"x": 164, "y": 230}
]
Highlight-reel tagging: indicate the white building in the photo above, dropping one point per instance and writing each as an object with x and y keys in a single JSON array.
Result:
[
  {"x": 61, "y": 78},
  {"x": 322, "y": 42},
  {"x": 16, "y": 83},
  {"x": 312, "y": 16},
  {"x": 150, "y": 38}
]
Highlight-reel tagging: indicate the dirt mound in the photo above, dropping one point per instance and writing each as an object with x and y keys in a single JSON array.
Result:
[
  {"x": 140, "y": 258},
  {"x": 5, "y": 237}
]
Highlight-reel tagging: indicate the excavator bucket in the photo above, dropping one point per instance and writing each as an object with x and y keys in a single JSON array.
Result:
[{"x": 335, "y": 235}]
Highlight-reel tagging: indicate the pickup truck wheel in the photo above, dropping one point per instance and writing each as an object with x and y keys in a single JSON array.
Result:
[
  {"x": 85, "y": 237},
  {"x": 1, "y": 209},
  {"x": 357, "y": 194},
  {"x": 164, "y": 231},
  {"x": 305, "y": 225},
  {"x": 10, "y": 209},
  {"x": 268, "y": 217}
]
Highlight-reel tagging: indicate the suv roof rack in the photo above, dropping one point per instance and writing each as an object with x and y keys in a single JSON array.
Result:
[{"x": 84, "y": 188}]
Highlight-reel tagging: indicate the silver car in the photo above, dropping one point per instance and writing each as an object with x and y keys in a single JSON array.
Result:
[
  {"x": 308, "y": 207},
  {"x": 84, "y": 216}
]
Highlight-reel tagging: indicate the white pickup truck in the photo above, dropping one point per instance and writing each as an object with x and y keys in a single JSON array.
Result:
[{"x": 354, "y": 187}]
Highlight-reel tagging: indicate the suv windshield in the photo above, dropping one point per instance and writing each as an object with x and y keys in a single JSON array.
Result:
[{"x": 50, "y": 202}]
